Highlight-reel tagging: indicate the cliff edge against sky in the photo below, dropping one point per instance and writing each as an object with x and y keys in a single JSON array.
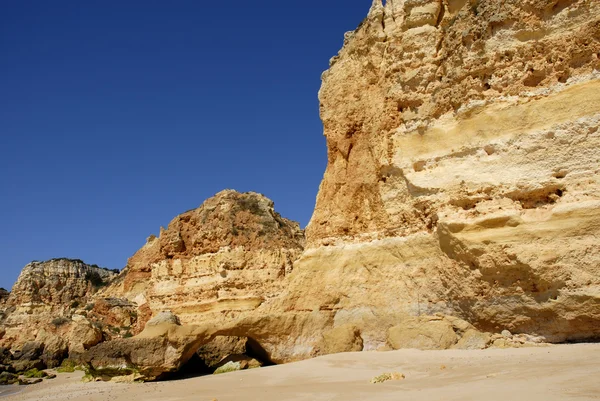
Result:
[{"x": 462, "y": 178}]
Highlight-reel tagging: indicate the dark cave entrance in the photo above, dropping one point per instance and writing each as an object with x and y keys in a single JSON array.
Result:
[
  {"x": 197, "y": 366},
  {"x": 256, "y": 351}
]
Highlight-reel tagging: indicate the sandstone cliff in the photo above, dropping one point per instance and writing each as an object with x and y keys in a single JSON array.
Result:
[
  {"x": 462, "y": 181},
  {"x": 213, "y": 263},
  {"x": 58, "y": 283},
  {"x": 461, "y": 196},
  {"x": 463, "y": 171},
  {"x": 44, "y": 312}
]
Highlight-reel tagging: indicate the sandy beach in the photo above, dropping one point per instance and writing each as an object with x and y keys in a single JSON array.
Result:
[{"x": 565, "y": 372}]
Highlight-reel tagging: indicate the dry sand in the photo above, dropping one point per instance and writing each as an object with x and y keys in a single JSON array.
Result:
[{"x": 565, "y": 372}]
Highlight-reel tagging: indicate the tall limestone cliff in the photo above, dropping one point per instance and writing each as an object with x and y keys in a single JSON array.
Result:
[{"x": 463, "y": 171}]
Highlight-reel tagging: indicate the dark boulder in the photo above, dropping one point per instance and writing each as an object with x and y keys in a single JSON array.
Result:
[
  {"x": 29, "y": 357},
  {"x": 5, "y": 356},
  {"x": 159, "y": 350},
  {"x": 25, "y": 365},
  {"x": 31, "y": 350}
]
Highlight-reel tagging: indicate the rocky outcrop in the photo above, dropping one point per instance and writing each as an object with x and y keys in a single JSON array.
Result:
[
  {"x": 221, "y": 348},
  {"x": 474, "y": 339},
  {"x": 462, "y": 176},
  {"x": 58, "y": 283},
  {"x": 163, "y": 347},
  {"x": 217, "y": 263},
  {"x": 44, "y": 319},
  {"x": 235, "y": 363},
  {"x": 212, "y": 265},
  {"x": 438, "y": 333},
  {"x": 117, "y": 317}
]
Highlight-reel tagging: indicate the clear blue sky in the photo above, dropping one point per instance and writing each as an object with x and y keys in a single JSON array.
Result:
[{"x": 115, "y": 116}]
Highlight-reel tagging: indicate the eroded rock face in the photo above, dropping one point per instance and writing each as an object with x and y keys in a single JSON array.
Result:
[
  {"x": 3, "y": 296},
  {"x": 422, "y": 333},
  {"x": 160, "y": 349},
  {"x": 463, "y": 175},
  {"x": 345, "y": 338},
  {"x": 462, "y": 180},
  {"x": 44, "y": 321},
  {"x": 118, "y": 317},
  {"x": 474, "y": 339},
  {"x": 220, "y": 348},
  {"x": 58, "y": 283},
  {"x": 215, "y": 263},
  {"x": 165, "y": 346}
]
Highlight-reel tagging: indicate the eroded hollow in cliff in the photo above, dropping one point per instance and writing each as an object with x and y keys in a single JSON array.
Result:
[
  {"x": 193, "y": 368},
  {"x": 208, "y": 358}
]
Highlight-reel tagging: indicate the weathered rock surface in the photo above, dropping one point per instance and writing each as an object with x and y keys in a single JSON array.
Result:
[
  {"x": 3, "y": 296},
  {"x": 217, "y": 263},
  {"x": 58, "y": 283},
  {"x": 116, "y": 316},
  {"x": 42, "y": 324},
  {"x": 164, "y": 317},
  {"x": 7, "y": 378},
  {"x": 211, "y": 265},
  {"x": 220, "y": 348},
  {"x": 344, "y": 338},
  {"x": 230, "y": 366},
  {"x": 437, "y": 333},
  {"x": 474, "y": 339},
  {"x": 214, "y": 263},
  {"x": 165, "y": 346},
  {"x": 425, "y": 333},
  {"x": 160, "y": 349},
  {"x": 241, "y": 361},
  {"x": 463, "y": 174}
]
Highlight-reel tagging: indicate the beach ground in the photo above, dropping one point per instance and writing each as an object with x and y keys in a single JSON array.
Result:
[{"x": 560, "y": 373}]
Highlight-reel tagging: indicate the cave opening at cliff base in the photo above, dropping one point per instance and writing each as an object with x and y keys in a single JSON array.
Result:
[{"x": 196, "y": 366}]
